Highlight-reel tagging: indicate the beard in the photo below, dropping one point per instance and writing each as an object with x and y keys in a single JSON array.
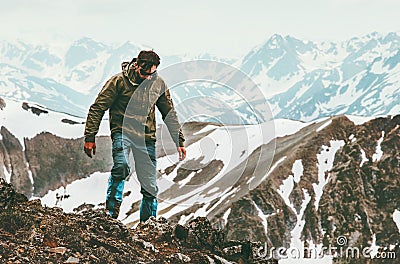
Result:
[{"x": 138, "y": 78}]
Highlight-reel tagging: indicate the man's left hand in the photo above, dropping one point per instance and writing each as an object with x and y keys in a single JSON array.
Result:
[{"x": 182, "y": 153}]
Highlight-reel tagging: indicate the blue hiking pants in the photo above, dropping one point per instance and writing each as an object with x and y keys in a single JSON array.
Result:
[{"x": 144, "y": 155}]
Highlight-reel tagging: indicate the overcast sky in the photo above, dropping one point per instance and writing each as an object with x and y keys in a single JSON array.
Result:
[{"x": 224, "y": 28}]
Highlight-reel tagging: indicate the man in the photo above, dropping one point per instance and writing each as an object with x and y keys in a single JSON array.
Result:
[{"x": 131, "y": 97}]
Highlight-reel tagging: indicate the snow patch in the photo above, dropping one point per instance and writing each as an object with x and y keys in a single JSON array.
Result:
[
  {"x": 187, "y": 179},
  {"x": 264, "y": 218},
  {"x": 33, "y": 124},
  {"x": 184, "y": 219},
  {"x": 284, "y": 127},
  {"x": 297, "y": 170},
  {"x": 201, "y": 211},
  {"x": 286, "y": 189},
  {"x": 325, "y": 163},
  {"x": 296, "y": 232},
  {"x": 226, "y": 215},
  {"x": 359, "y": 120},
  {"x": 378, "y": 152},
  {"x": 374, "y": 248},
  {"x": 30, "y": 176},
  {"x": 213, "y": 190},
  {"x": 95, "y": 187},
  {"x": 352, "y": 138},
  {"x": 30, "y": 173},
  {"x": 363, "y": 158},
  {"x": 7, "y": 174}
]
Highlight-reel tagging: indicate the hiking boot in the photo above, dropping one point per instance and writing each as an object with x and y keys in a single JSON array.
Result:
[
  {"x": 117, "y": 207},
  {"x": 113, "y": 207},
  {"x": 148, "y": 207}
]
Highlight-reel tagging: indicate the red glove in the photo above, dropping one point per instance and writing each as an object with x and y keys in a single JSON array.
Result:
[{"x": 89, "y": 147}]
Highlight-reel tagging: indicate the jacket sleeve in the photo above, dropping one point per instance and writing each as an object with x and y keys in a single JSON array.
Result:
[
  {"x": 104, "y": 100},
  {"x": 166, "y": 107}
]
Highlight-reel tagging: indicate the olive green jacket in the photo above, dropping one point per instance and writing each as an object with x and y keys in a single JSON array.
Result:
[{"x": 132, "y": 107}]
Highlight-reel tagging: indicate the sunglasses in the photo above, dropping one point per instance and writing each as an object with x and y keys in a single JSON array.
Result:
[
  {"x": 145, "y": 64},
  {"x": 145, "y": 73}
]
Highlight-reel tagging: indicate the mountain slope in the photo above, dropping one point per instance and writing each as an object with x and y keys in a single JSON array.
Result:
[{"x": 338, "y": 181}]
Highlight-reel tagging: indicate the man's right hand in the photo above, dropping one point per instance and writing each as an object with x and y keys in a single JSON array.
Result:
[{"x": 89, "y": 147}]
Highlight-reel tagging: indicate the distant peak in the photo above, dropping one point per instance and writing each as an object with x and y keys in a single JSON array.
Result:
[
  {"x": 392, "y": 36},
  {"x": 275, "y": 41},
  {"x": 129, "y": 44},
  {"x": 276, "y": 37},
  {"x": 86, "y": 41}
]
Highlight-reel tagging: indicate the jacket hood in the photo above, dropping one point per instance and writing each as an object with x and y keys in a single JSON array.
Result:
[{"x": 129, "y": 71}]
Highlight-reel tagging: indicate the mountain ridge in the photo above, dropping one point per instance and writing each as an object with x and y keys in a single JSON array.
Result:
[{"x": 302, "y": 80}]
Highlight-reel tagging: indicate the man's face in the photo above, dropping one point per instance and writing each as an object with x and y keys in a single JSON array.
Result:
[{"x": 145, "y": 69}]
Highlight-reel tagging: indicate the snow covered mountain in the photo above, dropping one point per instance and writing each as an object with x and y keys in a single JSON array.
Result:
[
  {"x": 303, "y": 80},
  {"x": 61, "y": 78},
  {"x": 306, "y": 80},
  {"x": 66, "y": 78}
]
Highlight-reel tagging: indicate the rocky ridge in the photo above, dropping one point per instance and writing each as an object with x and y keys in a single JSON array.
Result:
[{"x": 30, "y": 233}]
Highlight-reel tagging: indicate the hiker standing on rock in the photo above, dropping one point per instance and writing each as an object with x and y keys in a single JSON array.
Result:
[{"x": 131, "y": 97}]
